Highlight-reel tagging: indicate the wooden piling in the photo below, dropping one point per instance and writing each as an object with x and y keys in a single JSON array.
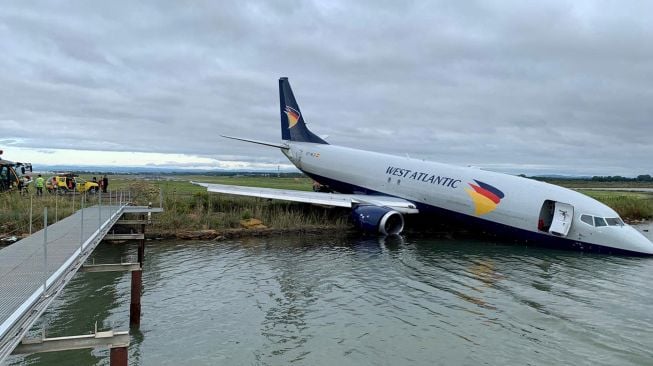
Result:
[
  {"x": 141, "y": 245},
  {"x": 118, "y": 356},
  {"x": 135, "y": 303}
]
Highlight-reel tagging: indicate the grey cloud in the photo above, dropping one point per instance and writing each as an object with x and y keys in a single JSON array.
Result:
[{"x": 553, "y": 87}]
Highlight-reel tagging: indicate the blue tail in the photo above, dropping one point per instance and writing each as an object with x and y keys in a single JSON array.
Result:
[{"x": 293, "y": 127}]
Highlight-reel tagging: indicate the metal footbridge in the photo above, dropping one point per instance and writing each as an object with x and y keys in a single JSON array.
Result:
[{"x": 34, "y": 270}]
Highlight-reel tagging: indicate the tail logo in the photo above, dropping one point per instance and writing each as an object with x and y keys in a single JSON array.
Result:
[
  {"x": 293, "y": 116},
  {"x": 486, "y": 198}
]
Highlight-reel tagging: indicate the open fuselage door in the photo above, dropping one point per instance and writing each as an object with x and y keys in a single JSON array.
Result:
[{"x": 562, "y": 218}]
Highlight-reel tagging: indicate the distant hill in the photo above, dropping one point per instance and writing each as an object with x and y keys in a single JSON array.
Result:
[
  {"x": 561, "y": 176},
  {"x": 152, "y": 170}
]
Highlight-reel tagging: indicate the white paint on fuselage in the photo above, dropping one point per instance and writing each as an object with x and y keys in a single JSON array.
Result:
[{"x": 520, "y": 207}]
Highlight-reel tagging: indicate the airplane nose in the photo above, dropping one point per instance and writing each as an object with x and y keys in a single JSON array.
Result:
[{"x": 637, "y": 241}]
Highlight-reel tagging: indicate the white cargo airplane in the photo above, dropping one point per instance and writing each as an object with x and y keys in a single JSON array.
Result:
[{"x": 381, "y": 188}]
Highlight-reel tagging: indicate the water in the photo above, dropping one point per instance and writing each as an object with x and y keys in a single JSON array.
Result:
[{"x": 353, "y": 301}]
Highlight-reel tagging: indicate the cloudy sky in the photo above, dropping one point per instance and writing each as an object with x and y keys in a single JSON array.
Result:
[{"x": 514, "y": 86}]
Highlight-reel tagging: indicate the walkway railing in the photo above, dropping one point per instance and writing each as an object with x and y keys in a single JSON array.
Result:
[{"x": 35, "y": 269}]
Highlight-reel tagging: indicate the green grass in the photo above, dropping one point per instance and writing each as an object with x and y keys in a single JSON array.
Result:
[
  {"x": 15, "y": 211},
  {"x": 183, "y": 185},
  {"x": 190, "y": 207},
  {"x": 203, "y": 210},
  {"x": 186, "y": 206},
  {"x": 301, "y": 184},
  {"x": 594, "y": 184},
  {"x": 629, "y": 205}
]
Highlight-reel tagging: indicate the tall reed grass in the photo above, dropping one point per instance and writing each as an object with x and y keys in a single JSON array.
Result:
[
  {"x": 628, "y": 206},
  {"x": 15, "y": 210},
  {"x": 202, "y": 210}
]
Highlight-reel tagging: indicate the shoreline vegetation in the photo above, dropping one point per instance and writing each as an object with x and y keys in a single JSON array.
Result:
[{"x": 192, "y": 213}]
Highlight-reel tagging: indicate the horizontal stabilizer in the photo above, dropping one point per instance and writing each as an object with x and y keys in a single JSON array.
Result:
[{"x": 273, "y": 144}]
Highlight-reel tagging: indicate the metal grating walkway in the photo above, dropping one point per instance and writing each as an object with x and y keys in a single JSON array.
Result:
[{"x": 24, "y": 267}]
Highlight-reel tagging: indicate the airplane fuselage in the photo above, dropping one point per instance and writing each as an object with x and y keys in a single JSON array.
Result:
[
  {"x": 522, "y": 205},
  {"x": 379, "y": 189}
]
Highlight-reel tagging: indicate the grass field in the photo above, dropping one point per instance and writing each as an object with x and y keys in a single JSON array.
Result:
[
  {"x": 629, "y": 205},
  {"x": 190, "y": 207},
  {"x": 187, "y": 206},
  {"x": 15, "y": 211},
  {"x": 595, "y": 184}
]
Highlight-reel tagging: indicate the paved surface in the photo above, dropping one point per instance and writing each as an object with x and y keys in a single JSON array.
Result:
[{"x": 24, "y": 267}]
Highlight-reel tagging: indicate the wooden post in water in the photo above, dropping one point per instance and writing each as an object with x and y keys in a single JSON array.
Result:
[
  {"x": 118, "y": 356},
  {"x": 135, "y": 303},
  {"x": 141, "y": 244}
]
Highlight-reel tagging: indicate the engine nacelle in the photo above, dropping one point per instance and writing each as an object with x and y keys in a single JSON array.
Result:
[{"x": 376, "y": 219}]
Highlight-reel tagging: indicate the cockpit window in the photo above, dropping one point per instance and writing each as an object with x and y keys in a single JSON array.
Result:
[
  {"x": 599, "y": 221},
  {"x": 614, "y": 221},
  {"x": 587, "y": 219}
]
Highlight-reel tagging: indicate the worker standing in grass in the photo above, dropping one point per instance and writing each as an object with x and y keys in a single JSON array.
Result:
[
  {"x": 105, "y": 183},
  {"x": 39, "y": 185}
]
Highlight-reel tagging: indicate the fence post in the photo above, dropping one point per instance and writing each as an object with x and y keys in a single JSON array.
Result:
[
  {"x": 99, "y": 216},
  {"x": 30, "y": 213},
  {"x": 81, "y": 226},
  {"x": 45, "y": 249},
  {"x": 56, "y": 208}
]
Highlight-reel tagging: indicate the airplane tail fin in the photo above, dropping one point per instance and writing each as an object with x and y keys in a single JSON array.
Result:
[{"x": 293, "y": 127}]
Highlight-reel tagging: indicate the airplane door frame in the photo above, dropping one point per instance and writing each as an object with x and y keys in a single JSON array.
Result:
[{"x": 563, "y": 217}]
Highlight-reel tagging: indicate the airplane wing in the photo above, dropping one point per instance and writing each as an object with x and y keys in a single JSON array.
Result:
[{"x": 320, "y": 198}]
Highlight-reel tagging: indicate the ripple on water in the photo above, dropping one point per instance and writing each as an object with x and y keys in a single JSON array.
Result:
[{"x": 324, "y": 301}]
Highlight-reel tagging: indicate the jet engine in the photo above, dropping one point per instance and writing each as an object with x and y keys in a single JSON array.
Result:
[{"x": 376, "y": 219}]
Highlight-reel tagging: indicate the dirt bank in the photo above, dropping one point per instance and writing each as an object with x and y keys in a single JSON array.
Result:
[{"x": 238, "y": 233}]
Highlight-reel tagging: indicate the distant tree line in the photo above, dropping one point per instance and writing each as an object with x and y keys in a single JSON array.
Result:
[
  {"x": 618, "y": 178},
  {"x": 596, "y": 178},
  {"x": 192, "y": 172}
]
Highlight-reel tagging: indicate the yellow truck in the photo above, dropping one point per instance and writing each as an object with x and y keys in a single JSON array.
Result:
[{"x": 68, "y": 182}]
